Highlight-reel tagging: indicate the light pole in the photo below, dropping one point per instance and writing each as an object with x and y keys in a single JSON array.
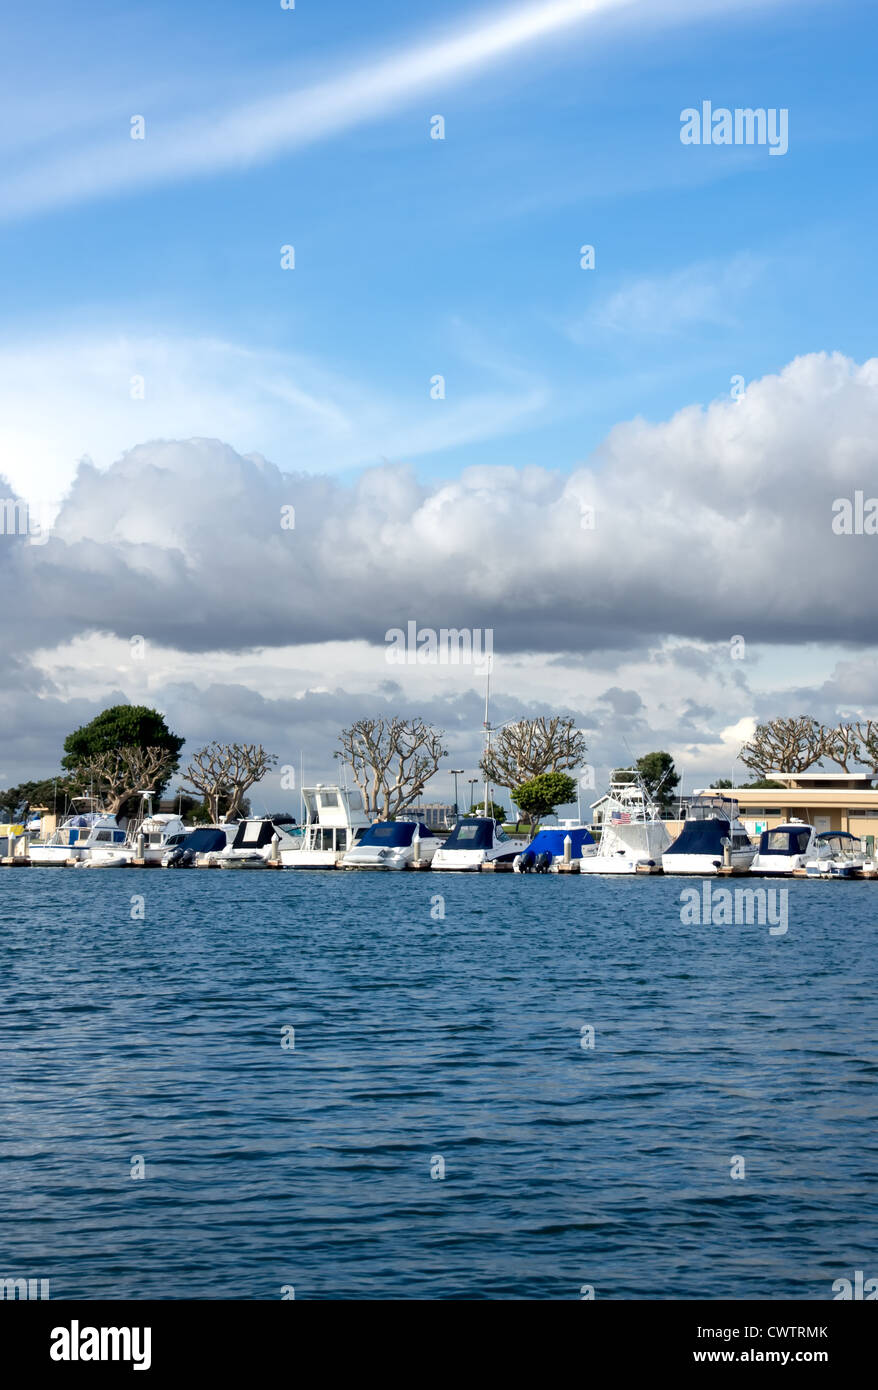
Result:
[
  {"x": 456, "y": 772},
  {"x": 473, "y": 781}
]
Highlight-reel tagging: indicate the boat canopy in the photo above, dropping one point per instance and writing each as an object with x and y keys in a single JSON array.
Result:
[
  {"x": 394, "y": 834},
  {"x": 253, "y": 834},
  {"x": 713, "y": 807},
  {"x": 701, "y": 837},
  {"x": 551, "y": 841},
  {"x": 840, "y": 840},
  {"x": 204, "y": 841},
  {"x": 785, "y": 839},
  {"x": 477, "y": 832}
]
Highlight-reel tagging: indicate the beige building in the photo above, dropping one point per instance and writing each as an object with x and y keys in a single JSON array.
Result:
[{"x": 826, "y": 800}]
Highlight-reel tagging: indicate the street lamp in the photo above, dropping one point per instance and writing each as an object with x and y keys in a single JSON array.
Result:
[
  {"x": 456, "y": 772},
  {"x": 473, "y": 782}
]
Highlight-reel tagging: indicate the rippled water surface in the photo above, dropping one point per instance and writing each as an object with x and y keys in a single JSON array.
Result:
[{"x": 420, "y": 1038}]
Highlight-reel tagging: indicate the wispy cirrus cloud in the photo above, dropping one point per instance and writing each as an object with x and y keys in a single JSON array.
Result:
[{"x": 706, "y": 293}]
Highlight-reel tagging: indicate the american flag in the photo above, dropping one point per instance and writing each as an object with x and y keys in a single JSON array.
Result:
[{"x": 622, "y": 817}]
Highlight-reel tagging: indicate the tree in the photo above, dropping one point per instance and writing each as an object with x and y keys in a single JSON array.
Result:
[
  {"x": 722, "y": 782},
  {"x": 841, "y": 744},
  {"x": 124, "y": 726},
  {"x": 392, "y": 760},
  {"x": 49, "y": 792},
  {"x": 117, "y": 774},
  {"x": 223, "y": 772},
  {"x": 539, "y": 796},
  {"x": 531, "y": 747},
  {"x": 762, "y": 784},
  {"x": 495, "y": 811},
  {"x": 784, "y": 745},
  {"x": 867, "y": 733},
  {"x": 660, "y": 777}
]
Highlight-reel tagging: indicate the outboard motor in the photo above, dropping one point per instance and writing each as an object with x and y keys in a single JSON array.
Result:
[
  {"x": 175, "y": 857},
  {"x": 543, "y": 862},
  {"x": 526, "y": 861}
]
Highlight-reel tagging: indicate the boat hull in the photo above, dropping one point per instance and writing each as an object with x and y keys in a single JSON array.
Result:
[{"x": 704, "y": 864}]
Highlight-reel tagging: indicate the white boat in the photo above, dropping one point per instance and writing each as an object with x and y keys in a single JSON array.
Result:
[
  {"x": 335, "y": 823},
  {"x": 785, "y": 848},
  {"x": 258, "y": 841},
  {"x": 545, "y": 851},
  {"x": 632, "y": 831},
  {"x": 77, "y": 836},
  {"x": 477, "y": 840},
  {"x": 146, "y": 839},
  {"x": 711, "y": 823},
  {"x": 392, "y": 845},
  {"x": 837, "y": 854}
]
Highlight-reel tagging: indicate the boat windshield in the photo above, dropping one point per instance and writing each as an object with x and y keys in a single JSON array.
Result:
[
  {"x": 393, "y": 834},
  {"x": 784, "y": 841}
]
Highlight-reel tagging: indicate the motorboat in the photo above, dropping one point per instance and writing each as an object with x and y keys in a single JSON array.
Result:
[
  {"x": 633, "y": 835},
  {"x": 477, "y": 840},
  {"x": 335, "y": 824},
  {"x": 393, "y": 845},
  {"x": 547, "y": 848},
  {"x": 146, "y": 840},
  {"x": 77, "y": 836},
  {"x": 711, "y": 826},
  {"x": 836, "y": 854},
  {"x": 197, "y": 848},
  {"x": 786, "y": 848},
  {"x": 258, "y": 841}
]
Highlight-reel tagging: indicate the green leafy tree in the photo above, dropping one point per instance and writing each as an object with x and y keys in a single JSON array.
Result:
[
  {"x": 539, "y": 796},
  {"x": 136, "y": 740},
  {"x": 495, "y": 810}
]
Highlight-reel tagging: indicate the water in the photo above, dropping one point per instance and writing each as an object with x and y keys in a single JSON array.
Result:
[{"x": 418, "y": 1039}]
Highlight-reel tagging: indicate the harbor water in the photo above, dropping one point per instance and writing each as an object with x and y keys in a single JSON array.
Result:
[{"x": 432, "y": 1086}]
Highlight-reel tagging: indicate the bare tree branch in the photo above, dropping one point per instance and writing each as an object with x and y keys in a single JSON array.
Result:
[{"x": 392, "y": 760}]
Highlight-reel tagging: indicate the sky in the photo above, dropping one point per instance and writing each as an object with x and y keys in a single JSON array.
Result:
[{"x": 623, "y": 467}]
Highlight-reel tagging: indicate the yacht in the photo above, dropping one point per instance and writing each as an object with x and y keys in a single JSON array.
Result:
[
  {"x": 197, "y": 848},
  {"x": 77, "y": 835},
  {"x": 392, "y": 845},
  {"x": 478, "y": 840},
  {"x": 335, "y": 823},
  {"x": 258, "y": 841},
  {"x": 146, "y": 840},
  {"x": 546, "y": 850},
  {"x": 632, "y": 831},
  {"x": 785, "y": 848},
  {"x": 836, "y": 854},
  {"x": 699, "y": 848}
]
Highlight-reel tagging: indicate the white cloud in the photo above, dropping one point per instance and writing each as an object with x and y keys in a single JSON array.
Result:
[{"x": 703, "y": 293}]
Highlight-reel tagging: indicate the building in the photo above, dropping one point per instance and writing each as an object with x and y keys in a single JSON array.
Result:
[
  {"x": 826, "y": 800},
  {"x": 438, "y": 815}
]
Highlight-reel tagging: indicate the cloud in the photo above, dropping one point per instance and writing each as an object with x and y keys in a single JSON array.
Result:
[
  {"x": 262, "y": 130},
  {"x": 712, "y": 524},
  {"x": 707, "y": 293}
]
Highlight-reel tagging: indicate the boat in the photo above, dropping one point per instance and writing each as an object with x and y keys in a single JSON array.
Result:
[
  {"x": 836, "y": 854},
  {"x": 478, "y": 840},
  {"x": 711, "y": 826},
  {"x": 257, "y": 842},
  {"x": 785, "y": 849},
  {"x": 394, "y": 844},
  {"x": 146, "y": 840},
  {"x": 77, "y": 835},
  {"x": 11, "y": 835},
  {"x": 546, "y": 850},
  {"x": 197, "y": 848},
  {"x": 335, "y": 823},
  {"x": 633, "y": 835}
]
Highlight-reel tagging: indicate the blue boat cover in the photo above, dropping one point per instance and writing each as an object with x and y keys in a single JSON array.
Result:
[
  {"x": 394, "y": 834},
  {"x": 785, "y": 841},
  {"x": 551, "y": 841},
  {"x": 701, "y": 837},
  {"x": 476, "y": 832},
  {"x": 204, "y": 841}
]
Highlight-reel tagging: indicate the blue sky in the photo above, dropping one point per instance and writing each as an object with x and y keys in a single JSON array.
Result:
[{"x": 460, "y": 257}]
